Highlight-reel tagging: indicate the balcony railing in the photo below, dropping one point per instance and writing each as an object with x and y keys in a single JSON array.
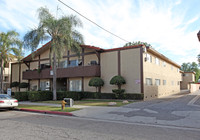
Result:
[{"x": 79, "y": 71}]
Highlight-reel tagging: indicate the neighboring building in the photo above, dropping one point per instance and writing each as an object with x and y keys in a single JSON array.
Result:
[
  {"x": 144, "y": 69},
  {"x": 7, "y": 75},
  {"x": 187, "y": 78}
]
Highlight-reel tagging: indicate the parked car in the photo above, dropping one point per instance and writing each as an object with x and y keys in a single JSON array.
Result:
[{"x": 7, "y": 102}]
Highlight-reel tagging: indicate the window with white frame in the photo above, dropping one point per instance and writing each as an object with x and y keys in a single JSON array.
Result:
[
  {"x": 157, "y": 61},
  {"x": 44, "y": 85},
  {"x": 172, "y": 83},
  {"x": 178, "y": 70},
  {"x": 164, "y": 82},
  {"x": 149, "y": 58},
  {"x": 157, "y": 82},
  {"x": 75, "y": 85},
  {"x": 148, "y": 81},
  {"x": 164, "y": 64}
]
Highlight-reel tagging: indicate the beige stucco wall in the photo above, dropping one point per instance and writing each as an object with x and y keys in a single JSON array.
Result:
[
  {"x": 33, "y": 65},
  {"x": 33, "y": 83},
  {"x": 86, "y": 86},
  {"x": 130, "y": 70},
  {"x": 186, "y": 79},
  {"x": 169, "y": 73},
  {"x": 194, "y": 87},
  {"x": 15, "y": 73},
  {"x": 45, "y": 54},
  {"x": 23, "y": 68},
  {"x": 89, "y": 58},
  {"x": 109, "y": 68}
]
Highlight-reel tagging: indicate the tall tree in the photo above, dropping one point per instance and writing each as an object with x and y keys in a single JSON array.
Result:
[
  {"x": 8, "y": 42},
  {"x": 62, "y": 33},
  {"x": 137, "y": 43}
]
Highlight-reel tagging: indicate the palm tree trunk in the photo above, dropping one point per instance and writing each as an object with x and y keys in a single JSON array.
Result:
[
  {"x": 54, "y": 77},
  {"x": 1, "y": 77}
]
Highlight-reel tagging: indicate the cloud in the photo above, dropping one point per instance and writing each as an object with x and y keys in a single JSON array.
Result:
[{"x": 164, "y": 24}]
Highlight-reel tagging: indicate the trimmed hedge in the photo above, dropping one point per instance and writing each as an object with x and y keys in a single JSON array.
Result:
[
  {"x": 97, "y": 95},
  {"x": 21, "y": 96},
  {"x": 40, "y": 95},
  {"x": 69, "y": 94},
  {"x": 134, "y": 96},
  {"x": 48, "y": 95}
]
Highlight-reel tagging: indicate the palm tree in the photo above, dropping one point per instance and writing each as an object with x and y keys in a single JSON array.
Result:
[
  {"x": 8, "y": 42},
  {"x": 62, "y": 34}
]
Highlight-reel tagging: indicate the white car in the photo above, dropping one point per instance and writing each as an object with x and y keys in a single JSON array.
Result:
[{"x": 7, "y": 102}]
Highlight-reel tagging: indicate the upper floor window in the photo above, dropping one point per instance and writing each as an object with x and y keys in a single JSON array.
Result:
[
  {"x": 171, "y": 67},
  {"x": 149, "y": 58},
  {"x": 157, "y": 82},
  {"x": 157, "y": 61},
  {"x": 164, "y": 64},
  {"x": 178, "y": 70}
]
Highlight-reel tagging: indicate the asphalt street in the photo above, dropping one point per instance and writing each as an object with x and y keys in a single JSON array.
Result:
[
  {"x": 171, "y": 118},
  {"x": 22, "y": 125}
]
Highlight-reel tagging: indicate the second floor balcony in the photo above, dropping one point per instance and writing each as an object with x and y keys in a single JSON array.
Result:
[{"x": 78, "y": 71}]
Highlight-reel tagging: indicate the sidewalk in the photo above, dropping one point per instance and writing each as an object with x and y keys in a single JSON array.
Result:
[
  {"x": 48, "y": 104},
  {"x": 86, "y": 111}
]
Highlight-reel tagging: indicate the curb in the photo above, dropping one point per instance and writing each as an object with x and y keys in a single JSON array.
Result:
[{"x": 47, "y": 112}]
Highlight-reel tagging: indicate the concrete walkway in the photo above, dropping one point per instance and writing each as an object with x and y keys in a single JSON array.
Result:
[{"x": 181, "y": 110}]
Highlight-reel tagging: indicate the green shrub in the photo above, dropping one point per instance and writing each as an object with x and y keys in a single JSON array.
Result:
[
  {"x": 117, "y": 80},
  {"x": 14, "y": 84},
  {"x": 108, "y": 96},
  {"x": 69, "y": 94},
  {"x": 40, "y": 95},
  {"x": 96, "y": 82},
  {"x": 23, "y": 85},
  {"x": 98, "y": 95},
  {"x": 119, "y": 93},
  {"x": 21, "y": 96},
  {"x": 134, "y": 96},
  {"x": 91, "y": 95}
]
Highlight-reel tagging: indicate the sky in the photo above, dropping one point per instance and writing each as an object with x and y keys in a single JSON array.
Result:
[{"x": 170, "y": 26}]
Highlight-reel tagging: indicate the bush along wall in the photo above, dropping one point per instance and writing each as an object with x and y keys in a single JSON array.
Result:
[
  {"x": 48, "y": 95},
  {"x": 69, "y": 94},
  {"x": 21, "y": 96},
  {"x": 40, "y": 95}
]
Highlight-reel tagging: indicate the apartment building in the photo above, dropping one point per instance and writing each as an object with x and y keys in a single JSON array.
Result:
[
  {"x": 144, "y": 69},
  {"x": 7, "y": 75},
  {"x": 187, "y": 78}
]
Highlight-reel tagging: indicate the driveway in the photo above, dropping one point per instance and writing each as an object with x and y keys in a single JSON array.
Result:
[{"x": 176, "y": 110}]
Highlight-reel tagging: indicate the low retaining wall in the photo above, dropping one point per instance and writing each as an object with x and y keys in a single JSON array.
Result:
[{"x": 194, "y": 87}]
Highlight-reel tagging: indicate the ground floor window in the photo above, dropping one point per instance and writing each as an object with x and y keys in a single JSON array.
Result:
[
  {"x": 44, "y": 85},
  {"x": 148, "y": 81},
  {"x": 157, "y": 82},
  {"x": 75, "y": 85}
]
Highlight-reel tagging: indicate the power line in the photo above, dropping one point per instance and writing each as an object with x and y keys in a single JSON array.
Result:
[{"x": 93, "y": 22}]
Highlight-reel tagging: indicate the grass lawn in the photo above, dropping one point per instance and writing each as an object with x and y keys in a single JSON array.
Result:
[
  {"x": 90, "y": 102},
  {"x": 49, "y": 108}
]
